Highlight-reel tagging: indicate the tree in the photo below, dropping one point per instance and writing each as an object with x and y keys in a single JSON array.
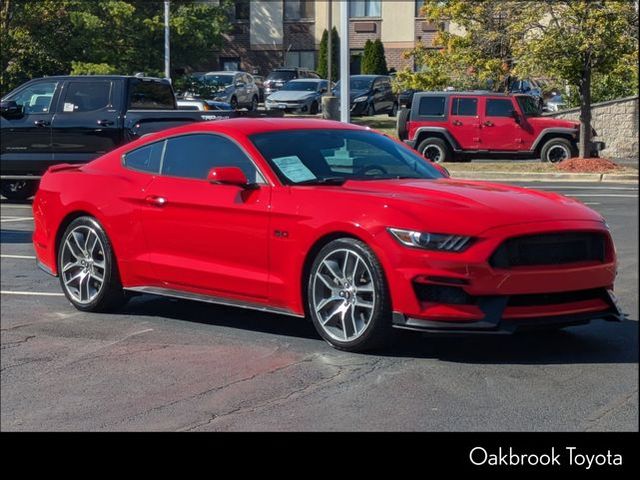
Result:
[
  {"x": 378, "y": 59},
  {"x": 49, "y": 37},
  {"x": 577, "y": 40},
  {"x": 366, "y": 63},
  {"x": 335, "y": 56}
]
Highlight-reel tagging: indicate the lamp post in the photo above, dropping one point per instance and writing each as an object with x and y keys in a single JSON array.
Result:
[
  {"x": 345, "y": 100},
  {"x": 167, "y": 57}
]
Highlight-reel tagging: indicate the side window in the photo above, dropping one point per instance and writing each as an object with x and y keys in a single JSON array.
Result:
[
  {"x": 150, "y": 95},
  {"x": 432, "y": 106},
  {"x": 499, "y": 107},
  {"x": 192, "y": 156},
  {"x": 145, "y": 159},
  {"x": 464, "y": 107},
  {"x": 36, "y": 98},
  {"x": 87, "y": 96}
]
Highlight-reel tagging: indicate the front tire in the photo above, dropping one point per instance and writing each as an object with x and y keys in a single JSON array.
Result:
[
  {"x": 394, "y": 110},
  {"x": 18, "y": 189},
  {"x": 254, "y": 104},
  {"x": 347, "y": 296},
  {"x": 371, "y": 110},
  {"x": 435, "y": 150},
  {"x": 87, "y": 268},
  {"x": 557, "y": 150},
  {"x": 313, "y": 109}
]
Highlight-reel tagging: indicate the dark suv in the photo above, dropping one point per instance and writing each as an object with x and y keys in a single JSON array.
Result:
[
  {"x": 446, "y": 126},
  {"x": 278, "y": 77},
  {"x": 370, "y": 95}
]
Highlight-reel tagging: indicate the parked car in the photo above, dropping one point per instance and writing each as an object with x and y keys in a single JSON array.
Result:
[
  {"x": 201, "y": 105},
  {"x": 405, "y": 98},
  {"x": 278, "y": 77},
  {"x": 275, "y": 221},
  {"x": 370, "y": 95},
  {"x": 259, "y": 81},
  {"x": 529, "y": 87},
  {"x": 74, "y": 119},
  {"x": 446, "y": 126},
  {"x": 235, "y": 88},
  {"x": 302, "y": 96},
  {"x": 555, "y": 103}
]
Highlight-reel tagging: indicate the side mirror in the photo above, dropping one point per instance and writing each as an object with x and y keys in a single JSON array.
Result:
[
  {"x": 442, "y": 170},
  {"x": 228, "y": 176},
  {"x": 10, "y": 108}
]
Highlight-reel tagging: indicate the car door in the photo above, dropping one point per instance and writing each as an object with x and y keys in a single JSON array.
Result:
[
  {"x": 499, "y": 127},
  {"x": 388, "y": 96},
  {"x": 87, "y": 122},
  {"x": 27, "y": 136},
  {"x": 464, "y": 121},
  {"x": 203, "y": 237}
]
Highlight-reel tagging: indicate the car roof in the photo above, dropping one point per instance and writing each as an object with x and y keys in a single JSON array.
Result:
[
  {"x": 473, "y": 93},
  {"x": 241, "y": 127},
  {"x": 300, "y": 80},
  {"x": 369, "y": 76}
]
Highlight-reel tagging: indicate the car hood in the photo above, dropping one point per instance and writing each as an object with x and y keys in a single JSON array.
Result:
[
  {"x": 469, "y": 207},
  {"x": 553, "y": 122},
  {"x": 289, "y": 96}
]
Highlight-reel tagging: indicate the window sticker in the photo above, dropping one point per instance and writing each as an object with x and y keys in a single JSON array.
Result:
[
  {"x": 293, "y": 168},
  {"x": 68, "y": 107}
]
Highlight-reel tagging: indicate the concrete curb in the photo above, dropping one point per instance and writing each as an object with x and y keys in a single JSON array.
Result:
[{"x": 546, "y": 177}]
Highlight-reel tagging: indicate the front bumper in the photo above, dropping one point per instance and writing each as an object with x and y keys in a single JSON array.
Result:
[{"x": 493, "y": 299}]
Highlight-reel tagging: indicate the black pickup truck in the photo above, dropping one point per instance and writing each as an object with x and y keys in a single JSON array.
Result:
[{"x": 74, "y": 119}]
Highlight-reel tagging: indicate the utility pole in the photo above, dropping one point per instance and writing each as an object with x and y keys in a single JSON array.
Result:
[
  {"x": 329, "y": 42},
  {"x": 167, "y": 57},
  {"x": 345, "y": 97}
]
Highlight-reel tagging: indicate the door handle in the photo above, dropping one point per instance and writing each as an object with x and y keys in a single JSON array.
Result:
[
  {"x": 457, "y": 122},
  {"x": 42, "y": 123},
  {"x": 155, "y": 201},
  {"x": 104, "y": 123},
  {"x": 488, "y": 124}
]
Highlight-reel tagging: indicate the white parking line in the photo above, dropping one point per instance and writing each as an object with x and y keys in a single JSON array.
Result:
[
  {"x": 14, "y": 219},
  {"x": 42, "y": 294},
  {"x": 6, "y": 205},
  {"x": 25, "y": 257},
  {"x": 602, "y": 195},
  {"x": 575, "y": 187}
]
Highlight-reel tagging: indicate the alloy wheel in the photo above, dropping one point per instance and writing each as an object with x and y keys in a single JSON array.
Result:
[
  {"x": 83, "y": 264},
  {"x": 558, "y": 153},
  {"x": 433, "y": 153},
  {"x": 343, "y": 295}
]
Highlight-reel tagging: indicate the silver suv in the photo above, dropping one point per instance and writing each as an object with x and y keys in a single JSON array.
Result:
[{"x": 235, "y": 88}]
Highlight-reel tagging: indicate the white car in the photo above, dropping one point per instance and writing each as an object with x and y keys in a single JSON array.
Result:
[{"x": 300, "y": 96}]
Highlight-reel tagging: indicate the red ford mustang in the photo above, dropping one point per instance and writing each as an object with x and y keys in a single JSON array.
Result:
[{"x": 324, "y": 220}]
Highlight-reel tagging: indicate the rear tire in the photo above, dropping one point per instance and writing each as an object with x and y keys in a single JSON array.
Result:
[
  {"x": 254, "y": 104},
  {"x": 435, "y": 150},
  {"x": 401, "y": 123},
  {"x": 18, "y": 189},
  {"x": 557, "y": 149},
  {"x": 347, "y": 296},
  {"x": 87, "y": 267}
]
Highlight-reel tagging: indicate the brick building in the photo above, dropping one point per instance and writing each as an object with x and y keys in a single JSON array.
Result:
[{"x": 266, "y": 34}]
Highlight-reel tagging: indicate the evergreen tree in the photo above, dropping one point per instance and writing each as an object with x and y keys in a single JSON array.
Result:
[
  {"x": 335, "y": 57},
  {"x": 366, "y": 65},
  {"x": 378, "y": 60}
]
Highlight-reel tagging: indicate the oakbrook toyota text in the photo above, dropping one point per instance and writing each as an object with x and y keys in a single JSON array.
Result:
[{"x": 570, "y": 456}]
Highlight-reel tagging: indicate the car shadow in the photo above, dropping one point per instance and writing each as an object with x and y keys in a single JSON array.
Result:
[
  {"x": 15, "y": 236},
  {"x": 599, "y": 342}
]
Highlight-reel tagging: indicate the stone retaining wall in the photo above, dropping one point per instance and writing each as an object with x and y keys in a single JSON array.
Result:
[{"x": 616, "y": 123}]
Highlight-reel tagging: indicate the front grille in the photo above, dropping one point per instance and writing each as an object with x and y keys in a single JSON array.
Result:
[
  {"x": 550, "y": 249},
  {"x": 538, "y": 299}
]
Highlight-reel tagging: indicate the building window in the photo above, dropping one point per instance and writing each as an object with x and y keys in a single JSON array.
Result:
[
  {"x": 301, "y": 58},
  {"x": 365, "y": 8},
  {"x": 299, "y": 9},
  {"x": 419, "y": 5},
  {"x": 242, "y": 10}
]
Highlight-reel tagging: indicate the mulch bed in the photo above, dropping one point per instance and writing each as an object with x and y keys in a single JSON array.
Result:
[{"x": 588, "y": 165}]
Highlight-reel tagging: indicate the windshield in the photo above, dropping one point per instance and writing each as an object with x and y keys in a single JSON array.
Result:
[
  {"x": 529, "y": 106},
  {"x": 300, "y": 86},
  {"x": 217, "y": 80},
  {"x": 335, "y": 156},
  {"x": 282, "y": 75},
  {"x": 358, "y": 84}
]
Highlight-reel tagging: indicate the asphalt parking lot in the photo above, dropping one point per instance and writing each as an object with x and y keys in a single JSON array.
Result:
[{"x": 162, "y": 364}]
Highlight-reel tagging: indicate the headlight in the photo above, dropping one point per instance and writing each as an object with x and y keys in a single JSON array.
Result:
[
  {"x": 432, "y": 241},
  {"x": 360, "y": 99}
]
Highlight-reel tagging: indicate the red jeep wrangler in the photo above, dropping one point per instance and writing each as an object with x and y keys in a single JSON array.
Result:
[{"x": 449, "y": 126}]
